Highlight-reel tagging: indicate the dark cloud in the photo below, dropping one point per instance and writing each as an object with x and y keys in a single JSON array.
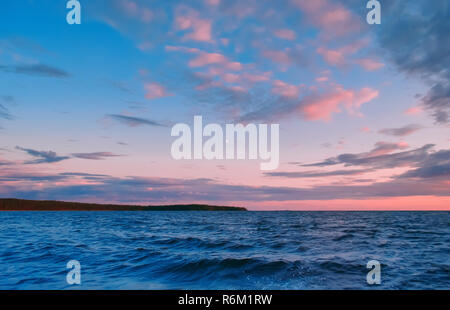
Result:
[
  {"x": 135, "y": 121},
  {"x": 5, "y": 162},
  {"x": 424, "y": 163},
  {"x": 317, "y": 174},
  {"x": 52, "y": 157},
  {"x": 415, "y": 36},
  {"x": 94, "y": 155},
  {"x": 42, "y": 156},
  {"x": 168, "y": 190},
  {"x": 32, "y": 177},
  {"x": 401, "y": 131},
  {"x": 400, "y": 159},
  {"x": 436, "y": 165},
  {"x": 36, "y": 70}
]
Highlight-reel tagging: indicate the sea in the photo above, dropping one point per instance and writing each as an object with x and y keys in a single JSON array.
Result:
[{"x": 224, "y": 250}]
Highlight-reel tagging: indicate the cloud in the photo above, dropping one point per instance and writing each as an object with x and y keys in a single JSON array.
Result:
[
  {"x": 436, "y": 165},
  {"x": 207, "y": 59},
  {"x": 170, "y": 190},
  {"x": 413, "y": 110},
  {"x": 382, "y": 148},
  {"x": 401, "y": 131},
  {"x": 4, "y": 113},
  {"x": 313, "y": 106},
  {"x": 212, "y": 2},
  {"x": 423, "y": 53},
  {"x": 42, "y": 156},
  {"x": 36, "y": 70},
  {"x": 155, "y": 91},
  {"x": 322, "y": 106},
  {"x": 135, "y": 121},
  {"x": 369, "y": 64},
  {"x": 331, "y": 17},
  {"x": 5, "y": 162},
  {"x": 133, "y": 9},
  {"x": 285, "y": 90},
  {"x": 383, "y": 161},
  {"x": 204, "y": 59},
  {"x": 340, "y": 57},
  {"x": 95, "y": 155},
  {"x": 286, "y": 34},
  {"x": 8, "y": 99},
  {"x": 288, "y": 56},
  {"x": 317, "y": 174},
  {"x": 200, "y": 29},
  {"x": 52, "y": 157}
]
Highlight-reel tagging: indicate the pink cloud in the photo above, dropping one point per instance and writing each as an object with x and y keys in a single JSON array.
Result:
[
  {"x": 231, "y": 78},
  {"x": 200, "y": 28},
  {"x": 132, "y": 9},
  {"x": 237, "y": 89},
  {"x": 212, "y": 2},
  {"x": 155, "y": 91},
  {"x": 337, "y": 57},
  {"x": 280, "y": 57},
  {"x": 208, "y": 84},
  {"x": 239, "y": 78},
  {"x": 285, "y": 90},
  {"x": 369, "y": 64},
  {"x": 254, "y": 78},
  {"x": 413, "y": 111},
  {"x": 233, "y": 65},
  {"x": 171, "y": 48},
  {"x": 322, "y": 107},
  {"x": 129, "y": 7},
  {"x": 382, "y": 148},
  {"x": 286, "y": 34},
  {"x": 322, "y": 79},
  {"x": 204, "y": 59},
  {"x": 333, "y": 57},
  {"x": 331, "y": 17}
]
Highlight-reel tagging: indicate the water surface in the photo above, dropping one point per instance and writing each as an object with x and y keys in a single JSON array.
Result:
[{"x": 224, "y": 250}]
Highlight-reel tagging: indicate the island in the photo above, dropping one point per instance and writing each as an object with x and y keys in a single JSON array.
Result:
[{"x": 11, "y": 204}]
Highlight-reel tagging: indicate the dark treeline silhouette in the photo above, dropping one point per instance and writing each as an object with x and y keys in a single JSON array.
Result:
[{"x": 40, "y": 205}]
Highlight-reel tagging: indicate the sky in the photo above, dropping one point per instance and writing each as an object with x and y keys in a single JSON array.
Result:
[{"x": 86, "y": 110}]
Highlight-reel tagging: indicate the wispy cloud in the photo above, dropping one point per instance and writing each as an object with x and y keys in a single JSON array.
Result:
[
  {"x": 155, "y": 91},
  {"x": 135, "y": 121},
  {"x": 392, "y": 160},
  {"x": 317, "y": 174},
  {"x": 36, "y": 70},
  {"x": 4, "y": 112},
  {"x": 401, "y": 131},
  {"x": 95, "y": 155},
  {"x": 42, "y": 156}
]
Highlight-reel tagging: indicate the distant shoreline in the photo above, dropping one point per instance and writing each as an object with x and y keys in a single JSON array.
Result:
[{"x": 11, "y": 204}]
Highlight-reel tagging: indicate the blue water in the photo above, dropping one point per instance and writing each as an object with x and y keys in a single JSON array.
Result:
[{"x": 224, "y": 250}]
